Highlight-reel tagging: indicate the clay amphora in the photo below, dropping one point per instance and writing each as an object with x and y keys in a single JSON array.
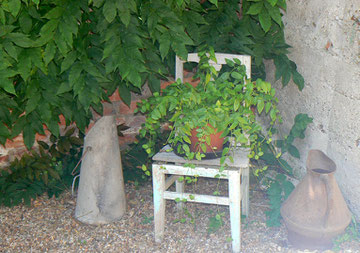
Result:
[{"x": 316, "y": 212}]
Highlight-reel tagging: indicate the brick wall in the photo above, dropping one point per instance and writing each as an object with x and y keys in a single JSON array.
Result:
[{"x": 124, "y": 115}]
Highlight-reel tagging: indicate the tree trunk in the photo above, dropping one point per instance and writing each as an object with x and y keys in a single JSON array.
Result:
[{"x": 101, "y": 196}]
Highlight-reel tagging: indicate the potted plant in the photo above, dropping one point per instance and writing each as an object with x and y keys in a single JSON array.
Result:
[{"x": 226, "y": 104}]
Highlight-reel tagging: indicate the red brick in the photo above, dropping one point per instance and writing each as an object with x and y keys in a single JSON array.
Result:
[
  {"x": 108, "y": 109},
  {"x": 41, "y": 137},
  {"x": 4, "y": 159},
  {"x": 120, "y": 120},
  {"x": 16, "y": 142},
  {"x": 91, "y": 124},
  {"x": 165, "y": 84},
  {"x": 136, "y": 121},
  {"x": 115, "y": 96},
  {"x": 95, "y": 115},
  {"x": 62, "y": 120},
  {"x": 123, "y": 109}
]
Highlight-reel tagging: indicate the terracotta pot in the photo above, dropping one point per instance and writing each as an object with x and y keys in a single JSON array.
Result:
[
  {"x": 316, "y": 212},
  {"x": 216, "y": 142}
]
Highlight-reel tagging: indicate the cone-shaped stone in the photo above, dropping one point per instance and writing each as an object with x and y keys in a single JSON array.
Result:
[{"x": 101, "y": 196}]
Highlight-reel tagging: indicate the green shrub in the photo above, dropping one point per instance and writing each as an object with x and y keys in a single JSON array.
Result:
[{"x": 47, "y": 170}]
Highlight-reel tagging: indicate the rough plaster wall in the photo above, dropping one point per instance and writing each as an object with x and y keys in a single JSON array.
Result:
[{"x": 326, "y": 49}]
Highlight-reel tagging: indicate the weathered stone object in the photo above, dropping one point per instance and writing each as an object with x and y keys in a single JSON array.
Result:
[{"x": 101, "y": 196}]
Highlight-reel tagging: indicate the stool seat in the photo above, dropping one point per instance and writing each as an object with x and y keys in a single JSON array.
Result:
[{"x": 237, "y": 173}]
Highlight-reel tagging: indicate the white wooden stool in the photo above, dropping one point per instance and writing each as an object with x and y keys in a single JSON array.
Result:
[{"x": 237, "y": 174}]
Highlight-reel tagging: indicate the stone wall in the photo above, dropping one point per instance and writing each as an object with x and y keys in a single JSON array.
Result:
[{"x": 325, "y": 36}]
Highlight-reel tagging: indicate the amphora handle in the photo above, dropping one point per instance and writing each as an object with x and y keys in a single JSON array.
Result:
[{"x": 322, "y": 166}]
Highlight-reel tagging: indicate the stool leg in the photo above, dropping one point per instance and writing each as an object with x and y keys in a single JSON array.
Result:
[
  {"x": 159, "y": 201},
  {"x": 245, "y": 191},
  {"x": 235, "y": 209},
  {"x": 179, "y": 189}
]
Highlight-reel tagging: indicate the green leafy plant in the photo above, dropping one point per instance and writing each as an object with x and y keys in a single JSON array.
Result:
[
  {"x": 278, "y": 191},
  {"x": 134, "y": 158},
  {"x": 352, "y": 233},
  {"x": 147, "y": 219},
  {"x": 274, "y": 152},
  {"x": 215, "y": 223},
  {"x": 226, "y": 102},
  {"x": 280, "y": 186},
  {"x": 47, "y": 170},
  {"x": 254, "y": 28},
  {"x": 65, "y": 57}
]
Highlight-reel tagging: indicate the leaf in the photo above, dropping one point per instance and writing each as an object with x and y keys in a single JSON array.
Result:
[
  {"x": 32, "y": 103},
  {"x": 48, "y": 30},
  {"x": 187, "y": 139},
  {"x": 215, "y": 2},
  {"x": 75, "y": 73},
  {"x": 68, "y": 61},
  {"x": 273, "y": 114},
  {"x": 20, "y": 39},
  {"x": 255, "y": 8},
  {"x": 7, "y": 85},
  {"x": 124, "y": 14},
  {"x": 286, "y": 78},
  {"x": 54, "y": 13},
  {"x": 298, "y": 80},
  {"x": 272, "y": 2},
  {"x": 2, "y": 16},
  {"x": 53, "y": 127},
  {"x": 109, "y": 10},
  {"x": 61, "y": 44},
  {"x": 49, "y": 53},
  {"x": 260, "y": 105},
  {"x": 274, "y": 13},
  {"x": 124, "y": 93},
  {"x": 98, "y": 3},
  {"x": 11, "y": 49},
  {"x": 164, "y": 45},
  {"x": 284, "y": 164},
  {"x": 186, "y": 148},
  {"x": 64, "y": 87},
  {"x": 154, "y": 83},
  {"x": 29, "y": 136},
  {"x": 293, "y": 151},
  {"x": 14, "y": 6},
  {"x": 288, "y": 188},
  {"x": 267, "y": 107},
  {"x": 237, "y": 75},
  {"x": 25, "y": 22},
  {"x": 4, "y": 131},
  {"x": 265, "y": 20},
  {"x": 236, "y": 105},
  {"x": 229, "y": 62}
]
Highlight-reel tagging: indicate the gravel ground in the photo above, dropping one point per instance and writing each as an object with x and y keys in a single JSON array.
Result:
[{"x": 48, "y": 226}]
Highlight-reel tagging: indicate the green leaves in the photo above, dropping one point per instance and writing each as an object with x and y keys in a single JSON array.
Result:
[
  {"x": 255, "y": 8},
  {"x": 13, "y": 6},
  {"x": 109, "y": 10},
  {"x": 28, "y": 135},
  {"x": 286, "y": 68},
  {"x": 280, "y": 188},
  {"x": 124, "y": 93},
  {"x": 77, "y": 50},
  {"x": 265, "y": 20}
]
